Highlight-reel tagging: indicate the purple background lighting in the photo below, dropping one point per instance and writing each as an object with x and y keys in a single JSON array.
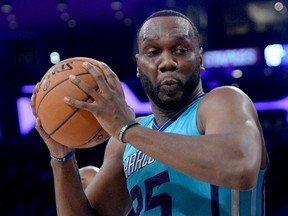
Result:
[
  {"x": 281, "y": 104},
  {"x": 26, "y": 118}
]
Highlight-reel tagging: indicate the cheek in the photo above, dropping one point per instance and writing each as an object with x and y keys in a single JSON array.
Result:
[
  {"x": 146, "y": 64},
  {"x": 192, "y": 65}
]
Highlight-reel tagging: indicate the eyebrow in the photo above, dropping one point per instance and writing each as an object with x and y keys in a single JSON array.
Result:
[
  {"x": 149, "y": 38},
  {"x": 183, "y": 36}
]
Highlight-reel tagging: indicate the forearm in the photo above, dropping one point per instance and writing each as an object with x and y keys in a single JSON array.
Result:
[
  {"x": 70, "y": 197},
  {"x": 225, "y": 160}
]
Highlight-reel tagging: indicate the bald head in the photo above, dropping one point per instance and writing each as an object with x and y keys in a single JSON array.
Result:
[{"x": 170, "y": 13}]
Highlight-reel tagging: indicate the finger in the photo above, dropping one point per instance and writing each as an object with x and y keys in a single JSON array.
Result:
[
  {"x": 40, "y": 129},
  {"x": 32, "y": 104},
  {"x": 97, "y": 75},
  {"x": 79, "y": 104},
  {"x": 107, "y": 80},
  {"x": 33, "y": 99},
  {"x": 84, "y": 86},
  {"x": 111, "y": 77}
]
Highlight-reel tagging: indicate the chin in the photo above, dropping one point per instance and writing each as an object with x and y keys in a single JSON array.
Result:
[{"x": 172, "y": 104}]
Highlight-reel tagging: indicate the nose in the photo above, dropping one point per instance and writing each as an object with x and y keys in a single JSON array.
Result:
[{"x": 167, "y": 62}]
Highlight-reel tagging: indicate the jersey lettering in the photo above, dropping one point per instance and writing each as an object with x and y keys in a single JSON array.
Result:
[
  {"x": 163, "y": 200},
  {"x": 136, "y": 161}
]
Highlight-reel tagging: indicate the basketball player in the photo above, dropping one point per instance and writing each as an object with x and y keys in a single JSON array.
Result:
[{"x": 197, "y": 154}]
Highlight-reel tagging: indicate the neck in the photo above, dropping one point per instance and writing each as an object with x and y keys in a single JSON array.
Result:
[{"x": 161, "y": 115}]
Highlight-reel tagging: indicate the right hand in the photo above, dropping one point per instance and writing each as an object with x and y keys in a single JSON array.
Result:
[
  {"x": 55, "y": 148},
  {"x": 109, "y": 106}
]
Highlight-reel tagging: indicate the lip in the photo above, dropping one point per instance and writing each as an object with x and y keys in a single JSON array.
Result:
[
  {"x": 169, "y": 82},
  {"x": 169, "y": 86}
]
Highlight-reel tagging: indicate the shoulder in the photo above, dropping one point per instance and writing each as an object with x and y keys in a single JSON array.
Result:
[
  {"x": 225, "y": 104},
  {"x": 225, "y": 96},
  {"x": 229, "y": 91}
]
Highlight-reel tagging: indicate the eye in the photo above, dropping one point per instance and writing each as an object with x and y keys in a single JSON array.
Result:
[
  {"x": 152, "y": 52},
  {"x": 181, "y": 50}
]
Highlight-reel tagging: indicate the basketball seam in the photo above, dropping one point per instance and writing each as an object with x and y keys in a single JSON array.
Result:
[
  {"x": 80, "y": 74},
  {"x": 67, "y": 118},
  {"x": 91, "y": 138}
]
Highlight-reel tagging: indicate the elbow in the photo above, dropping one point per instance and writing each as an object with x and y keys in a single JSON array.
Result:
[
  {"x": 247, "y": 183},
  {"x": 246, "y": 179}
]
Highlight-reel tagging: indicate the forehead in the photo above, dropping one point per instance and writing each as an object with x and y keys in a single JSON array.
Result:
[{"x": 168, "y": 26}]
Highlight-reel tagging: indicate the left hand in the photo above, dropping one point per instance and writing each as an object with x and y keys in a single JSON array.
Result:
[{"x": 109, "y": 106}]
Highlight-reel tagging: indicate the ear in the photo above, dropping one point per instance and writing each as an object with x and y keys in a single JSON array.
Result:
[
  {"x": 202, "y": 68},
  {"x": 136, "y": 56}
]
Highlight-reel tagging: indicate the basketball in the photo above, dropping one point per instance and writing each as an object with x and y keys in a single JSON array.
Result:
[{"x": 66, "y": 124}]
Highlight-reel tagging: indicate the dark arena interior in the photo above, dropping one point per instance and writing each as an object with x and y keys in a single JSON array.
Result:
[{"x": 245, "y": 44}]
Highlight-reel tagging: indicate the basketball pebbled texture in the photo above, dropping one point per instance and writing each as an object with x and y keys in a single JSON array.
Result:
[{"x": 68, "y": 125}]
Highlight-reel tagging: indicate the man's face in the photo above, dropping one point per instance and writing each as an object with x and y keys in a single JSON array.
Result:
[{"x": 169, "y": 61}]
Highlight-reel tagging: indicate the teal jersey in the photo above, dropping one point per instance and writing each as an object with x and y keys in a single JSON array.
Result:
[{"x": 157, "y": 189}]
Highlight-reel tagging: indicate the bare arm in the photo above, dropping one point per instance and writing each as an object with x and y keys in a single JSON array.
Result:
[
  {"x": 106, "y": 194},
  {"x": 107, "y": 191},
  {"x": 229, "y": 152},
  {"x": 69, "y": 194}
]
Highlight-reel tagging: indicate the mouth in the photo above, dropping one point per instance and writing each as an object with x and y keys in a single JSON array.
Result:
[
  {"x": 169, "y": 82},
  {"x": 170, "y": 86}
]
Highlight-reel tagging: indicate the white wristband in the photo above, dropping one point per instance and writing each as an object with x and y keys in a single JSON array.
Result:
[{"x": 124, "y": 129}]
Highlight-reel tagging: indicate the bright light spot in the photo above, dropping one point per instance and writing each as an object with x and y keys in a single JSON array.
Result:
[
  {"x": 278, "y": 6},
  {"x": 237, "y": 73},
  {"x": 273, "y": 54},
  {"x": 54, "y": 57}
]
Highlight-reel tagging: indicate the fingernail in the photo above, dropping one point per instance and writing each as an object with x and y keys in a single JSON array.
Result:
[
  {"x": 66, "y": 99},
  {"x": 86, "y": 64},
  {"x": 103, "y": 63},
  {"x": 72, "y": 76}
]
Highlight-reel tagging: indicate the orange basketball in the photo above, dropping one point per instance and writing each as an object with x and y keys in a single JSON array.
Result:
[{"x": 66, "y": 124}]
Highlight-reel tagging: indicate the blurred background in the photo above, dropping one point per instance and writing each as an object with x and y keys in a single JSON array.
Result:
[{"x": 245, "y": 44}]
